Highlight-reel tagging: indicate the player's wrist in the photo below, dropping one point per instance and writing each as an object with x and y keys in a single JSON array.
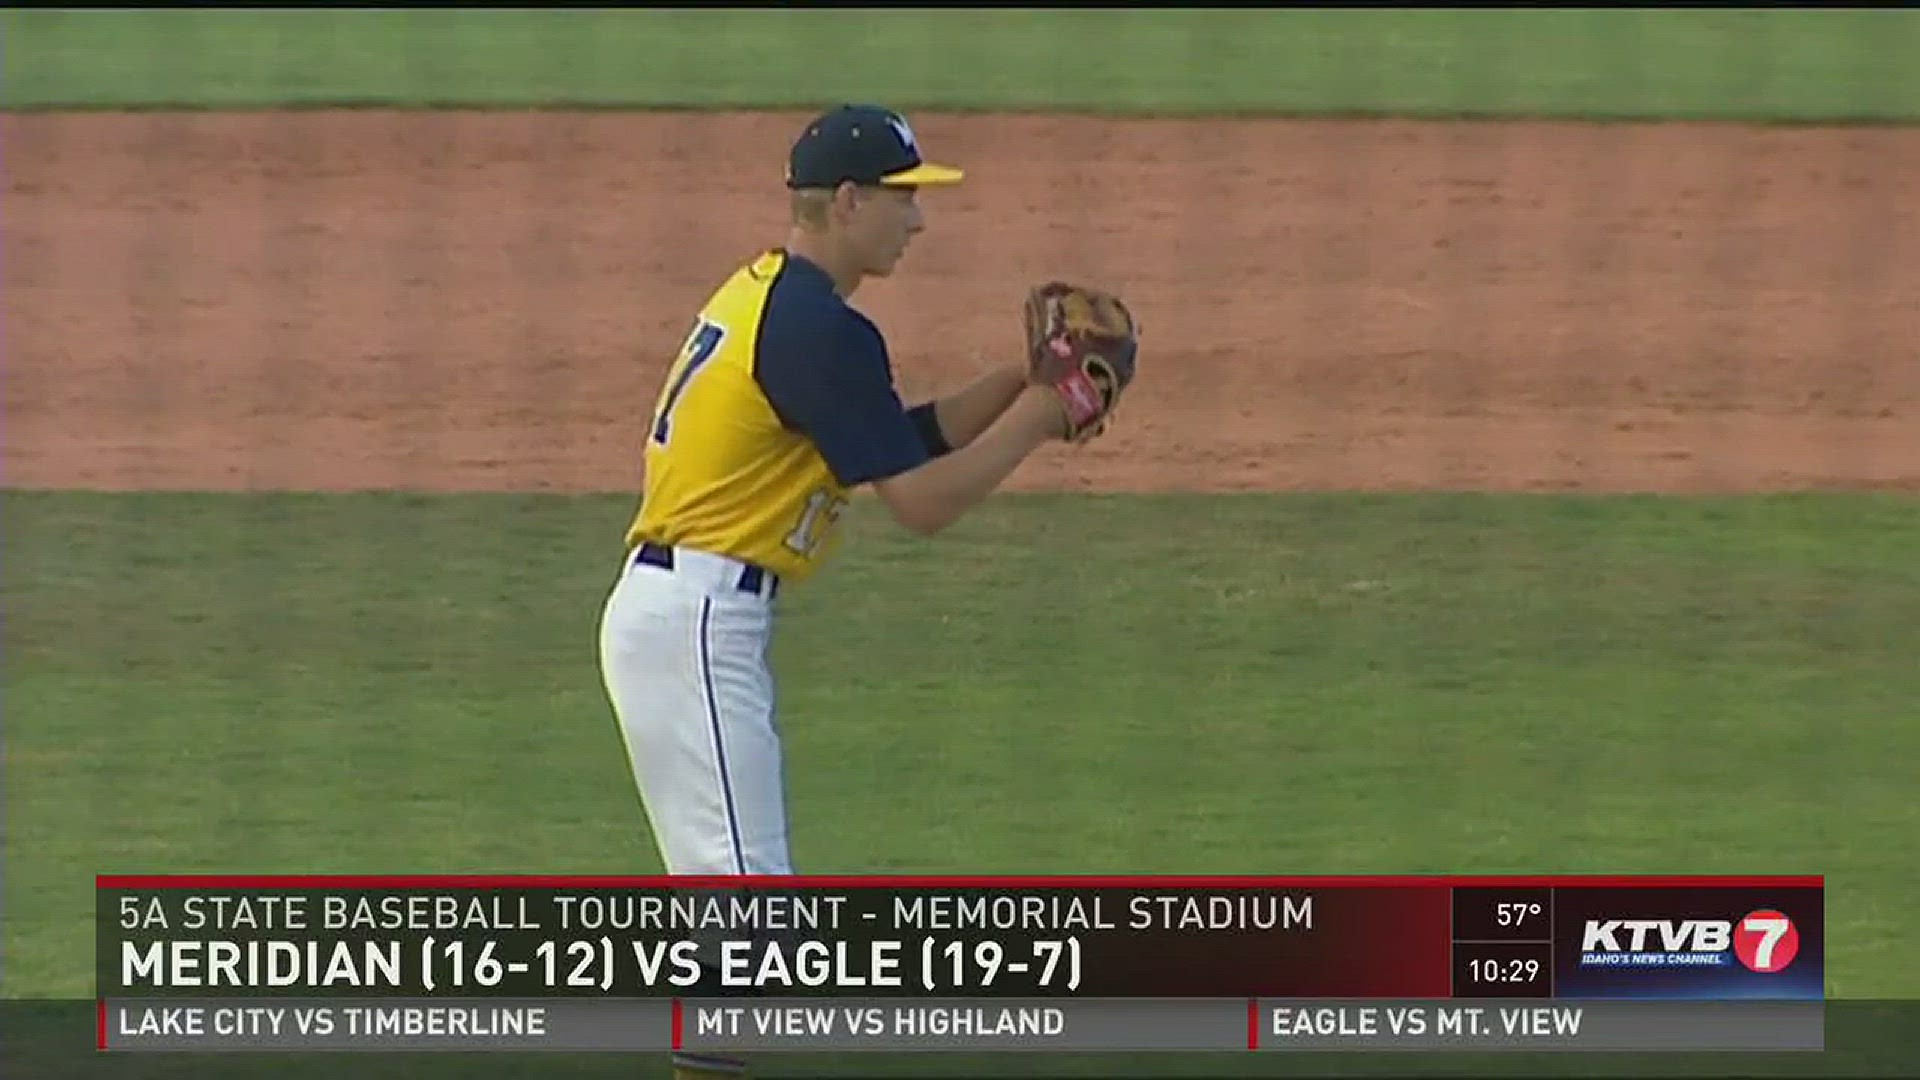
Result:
[{"x": 1039, "y": 415}]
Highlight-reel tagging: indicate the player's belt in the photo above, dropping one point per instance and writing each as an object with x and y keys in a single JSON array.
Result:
[{"x": 753, "y": 579}]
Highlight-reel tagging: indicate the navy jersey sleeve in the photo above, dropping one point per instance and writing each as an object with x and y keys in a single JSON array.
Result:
[
  {"x": 927, "y": 419},
  {"x": 826, "y": 371}
]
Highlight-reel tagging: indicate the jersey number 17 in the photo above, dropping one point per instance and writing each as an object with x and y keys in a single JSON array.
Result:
[{"x": 699, "y": 348}]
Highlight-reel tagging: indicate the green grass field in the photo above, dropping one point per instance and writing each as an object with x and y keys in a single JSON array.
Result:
[
  {"x": 1750, "y": 65},
  {"x": 1435, "y": 683},
  {"x": 1431, "y": 684},
  {"x": 1444, "y": 683}
]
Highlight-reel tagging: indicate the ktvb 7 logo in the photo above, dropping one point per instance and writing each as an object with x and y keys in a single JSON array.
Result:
[{"x": 1764, "y": 941}]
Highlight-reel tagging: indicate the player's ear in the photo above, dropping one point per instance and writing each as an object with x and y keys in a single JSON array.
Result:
[{"x": 846, "y": 197}]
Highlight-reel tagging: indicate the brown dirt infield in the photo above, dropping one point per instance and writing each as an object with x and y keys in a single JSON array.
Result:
[{"x": 431, "y": 301}]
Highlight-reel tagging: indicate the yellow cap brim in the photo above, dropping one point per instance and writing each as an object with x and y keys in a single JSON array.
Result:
[{"x": 923, "y": 174}]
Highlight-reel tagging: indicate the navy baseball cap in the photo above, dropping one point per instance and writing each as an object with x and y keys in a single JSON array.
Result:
[{"x": 865, "y": 144}]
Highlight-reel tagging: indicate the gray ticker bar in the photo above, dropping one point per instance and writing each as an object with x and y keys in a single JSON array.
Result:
[{"x": 1096, "y": 1024}]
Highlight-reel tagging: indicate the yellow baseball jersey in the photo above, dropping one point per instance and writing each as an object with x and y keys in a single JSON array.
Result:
[{"x": 780, "y": 402}]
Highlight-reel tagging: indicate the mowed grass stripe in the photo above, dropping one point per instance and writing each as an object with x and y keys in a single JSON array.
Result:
[
  {"x": 1063, "y": 684},
  {"x": 1754, "y": 65}
]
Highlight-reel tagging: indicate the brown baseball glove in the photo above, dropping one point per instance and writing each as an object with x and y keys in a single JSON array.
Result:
[{"x": 1083, "y": 343}]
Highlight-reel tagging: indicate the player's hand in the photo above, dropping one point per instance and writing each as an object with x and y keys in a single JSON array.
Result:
[
  {"x": 1083, "y": 344},
  {"x": 1037, "y": 416}
]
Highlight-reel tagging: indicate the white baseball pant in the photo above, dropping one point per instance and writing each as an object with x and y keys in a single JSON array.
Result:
[{"x": 683, "y": 655}]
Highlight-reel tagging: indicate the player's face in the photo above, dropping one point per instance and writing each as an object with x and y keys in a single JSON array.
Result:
[{"x": 883, "y": 222}]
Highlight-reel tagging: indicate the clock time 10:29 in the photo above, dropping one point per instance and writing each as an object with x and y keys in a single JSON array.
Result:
[{"x": 1510, "y": 971}]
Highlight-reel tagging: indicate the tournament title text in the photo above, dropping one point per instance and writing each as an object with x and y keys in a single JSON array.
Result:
[{"x": 728, "y": 913}]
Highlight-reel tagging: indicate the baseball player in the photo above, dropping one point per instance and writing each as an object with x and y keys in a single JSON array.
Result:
[{"x": 780, "y": 403}]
